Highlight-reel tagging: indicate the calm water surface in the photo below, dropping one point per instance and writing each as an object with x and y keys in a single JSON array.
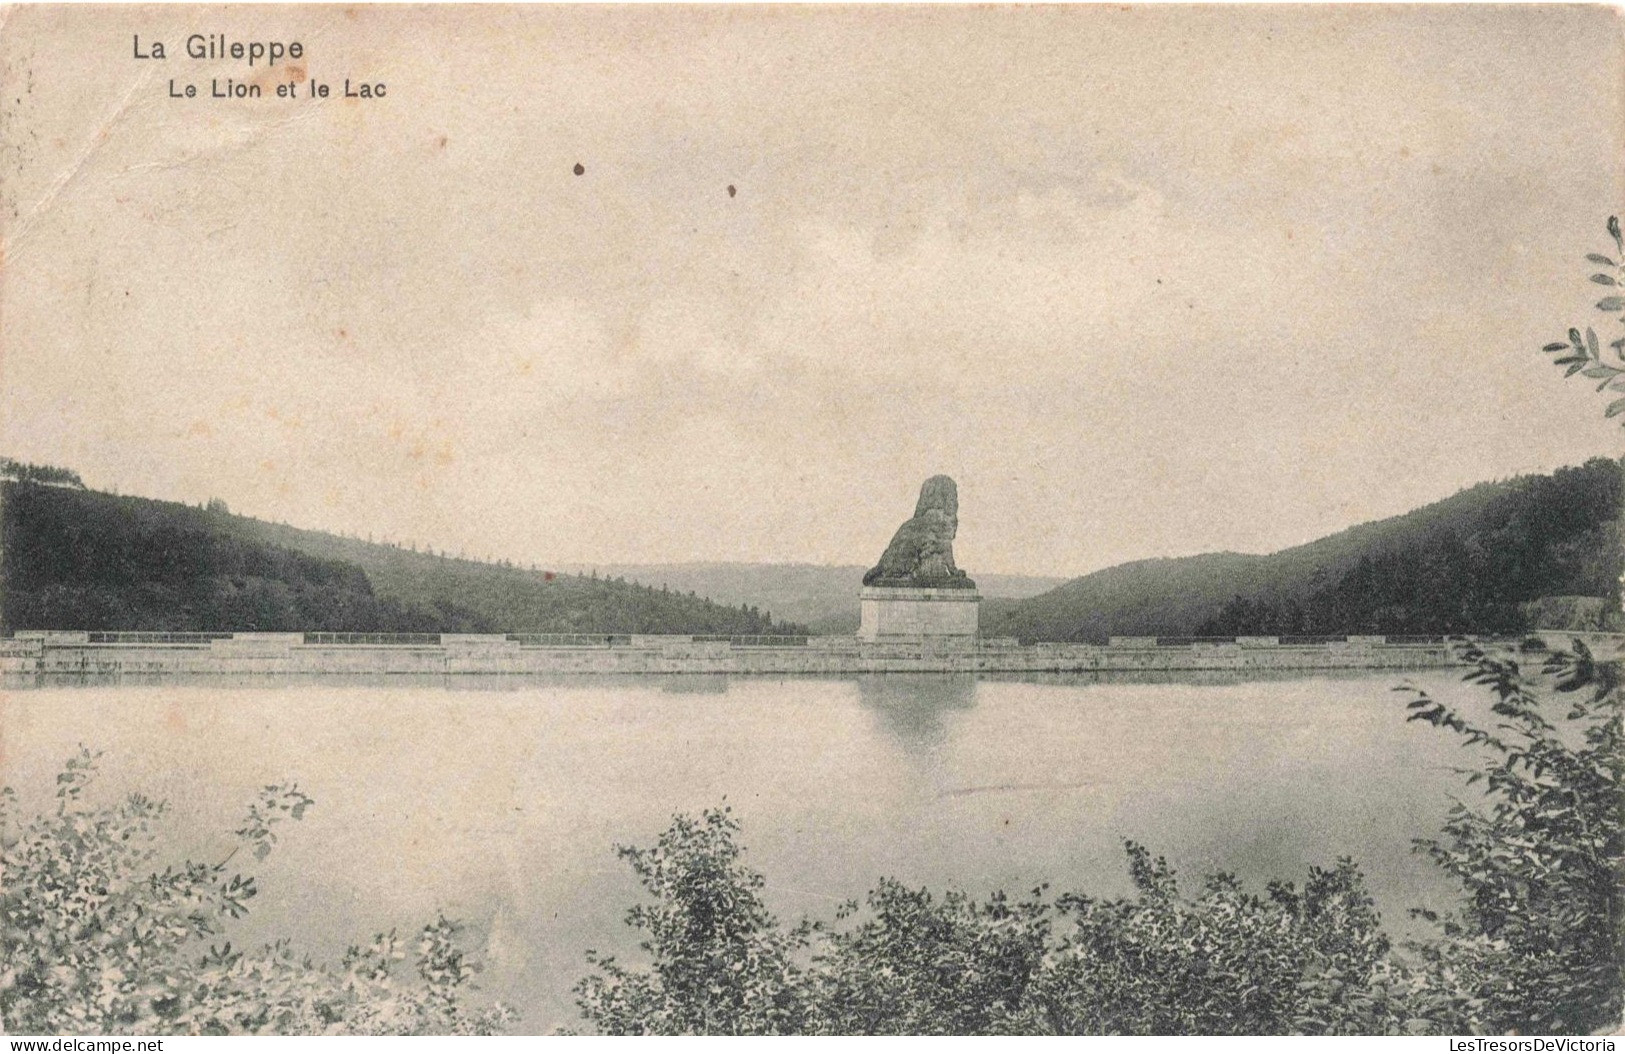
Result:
[{"x": 500, "y": 800}]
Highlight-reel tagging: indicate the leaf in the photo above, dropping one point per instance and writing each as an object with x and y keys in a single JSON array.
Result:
[
  {"x": 1615, "y": 408},
  {"x": 1559, "y": 346},
  {"x": 1603, "y": 279},
  {"x": 1591, "y": 341},
  {"x": 1613, "y": 228},
  {"x": 1599, "y": 371},
  {"x": 1598, "y": 258},
  {"x": 1611, "y": 303}
]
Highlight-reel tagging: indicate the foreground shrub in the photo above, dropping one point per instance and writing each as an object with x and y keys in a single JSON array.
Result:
[
  {"x": 719, "y": 962},
  {"x": 1539, "y": 945},
  {"x": 94, "y": 940},
  {"x": 1226, "y": 961},
  {"x": 910, "y": 962}
]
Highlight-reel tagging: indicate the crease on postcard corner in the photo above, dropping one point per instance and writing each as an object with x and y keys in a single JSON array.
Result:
[{"x": 16, "y": 238}]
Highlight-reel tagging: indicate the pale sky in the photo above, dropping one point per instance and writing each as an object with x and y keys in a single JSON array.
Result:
[{"x": 1147, "y": 281}]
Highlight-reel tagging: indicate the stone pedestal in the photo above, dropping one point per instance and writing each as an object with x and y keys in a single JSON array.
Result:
[{"x": 898, "y": 613}]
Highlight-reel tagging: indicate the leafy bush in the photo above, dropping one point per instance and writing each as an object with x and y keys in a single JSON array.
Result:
[
  {"x": 1539, "y": 945},
  {"x": 909, "y": 962},
  {"x": 1228, "y": 962},
  {"x": 915, "y": 964},
  {"x": 94, "y": 941},
  {"x": 719, "y": 963}
]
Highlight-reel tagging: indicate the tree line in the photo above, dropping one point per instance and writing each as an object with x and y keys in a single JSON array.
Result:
[
  {"x": 81, "y": 559},
  {"x": 48, "y": 475},
  {"x": 1540, "y": 536}
]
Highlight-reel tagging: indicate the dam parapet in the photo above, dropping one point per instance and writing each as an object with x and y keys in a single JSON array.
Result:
[{"x": 113, "y": 653}]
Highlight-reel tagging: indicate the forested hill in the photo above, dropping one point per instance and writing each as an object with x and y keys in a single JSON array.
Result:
[
  {"x": 822, "y": 596},
  {"x": 80, "y": 559},
  {"x": 1472, "y": 563}
]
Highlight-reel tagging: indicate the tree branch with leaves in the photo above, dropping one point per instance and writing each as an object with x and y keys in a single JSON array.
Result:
[
  {"x": 95, "y": 940},
  {"x": 1581, "y": 353}
]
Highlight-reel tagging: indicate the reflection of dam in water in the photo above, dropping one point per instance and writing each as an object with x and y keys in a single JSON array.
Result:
[
  {"x": 913, "y": 707},
  {"x": 97, "y": 653}
]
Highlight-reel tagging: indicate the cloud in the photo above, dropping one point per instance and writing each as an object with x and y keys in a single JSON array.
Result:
[{"x": 1145, "y": 281}]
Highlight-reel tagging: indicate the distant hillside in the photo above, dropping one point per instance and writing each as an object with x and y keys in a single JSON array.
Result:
[
  {"x": 72, "y": 558},
  {"x": 1494, "y": 558},
  {"x": 1474, "y": 562},
  {"x": 825, "y": 598}
]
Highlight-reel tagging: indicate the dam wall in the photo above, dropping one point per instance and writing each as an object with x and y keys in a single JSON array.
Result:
[{"x": 113, "y": 653}]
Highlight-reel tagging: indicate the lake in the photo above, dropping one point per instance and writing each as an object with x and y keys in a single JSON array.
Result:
[{"x": 499, "y": 800}]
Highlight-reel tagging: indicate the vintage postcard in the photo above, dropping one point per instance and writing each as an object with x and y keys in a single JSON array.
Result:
[{"x": 811, "y": 520}]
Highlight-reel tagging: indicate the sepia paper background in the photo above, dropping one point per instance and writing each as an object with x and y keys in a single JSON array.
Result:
[{"x": 1145, "y": 280}]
